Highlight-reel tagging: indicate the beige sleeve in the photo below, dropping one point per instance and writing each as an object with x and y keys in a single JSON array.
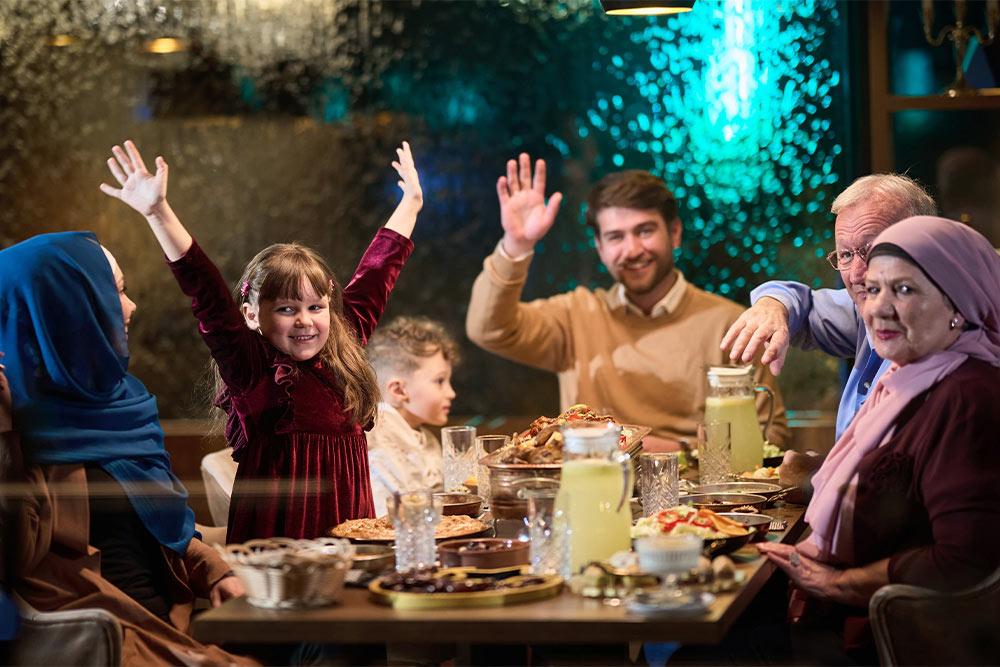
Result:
[{"x": 535, "y": 333}]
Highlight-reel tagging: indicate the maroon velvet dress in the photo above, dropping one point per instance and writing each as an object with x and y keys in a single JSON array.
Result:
[{"x": 303, "y": 466}]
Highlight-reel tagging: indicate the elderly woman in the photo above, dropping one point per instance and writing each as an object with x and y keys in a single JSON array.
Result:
[
  {"x": 909, "y": 493},
  {"x": 107, "y": 524}
]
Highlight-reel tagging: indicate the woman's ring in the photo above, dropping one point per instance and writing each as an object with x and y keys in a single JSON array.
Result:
[{"x": 794, "y": 559}]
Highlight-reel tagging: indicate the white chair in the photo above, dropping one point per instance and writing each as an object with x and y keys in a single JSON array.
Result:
[{"x": 218, "y": 470}]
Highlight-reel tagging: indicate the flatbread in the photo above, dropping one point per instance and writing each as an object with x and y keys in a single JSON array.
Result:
[{"x": 455, "y": 525}]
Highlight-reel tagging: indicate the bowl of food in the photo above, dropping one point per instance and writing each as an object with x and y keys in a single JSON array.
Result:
[
  {"x": 282, "y": 573},
  {"x": 483, "y": 553},
  {"x": 726, "y": 502},
  {"x": 373, "y": 558},
  {"x": 460, "y": 503},
  {"x": 773, "y": 455},
  {"x": 719, "y": 534},
  {"x": 758, "y": 524},
  {"x": 761, "y": 488}
]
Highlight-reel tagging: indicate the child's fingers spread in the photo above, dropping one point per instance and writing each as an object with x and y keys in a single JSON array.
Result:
[
  {"x": 404, "y": 158},
  {"x": 133, "y": 153},
  {"x": 110, "y": 191},
  {"x": 116, "y": 171},
  {"x": 122, "y": 159}
]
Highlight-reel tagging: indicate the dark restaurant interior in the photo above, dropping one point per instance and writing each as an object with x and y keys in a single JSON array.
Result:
[{"x": 279, "y": 120}]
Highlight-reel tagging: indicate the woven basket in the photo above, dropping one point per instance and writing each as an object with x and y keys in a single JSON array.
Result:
[{"x": 282, "y": 573}]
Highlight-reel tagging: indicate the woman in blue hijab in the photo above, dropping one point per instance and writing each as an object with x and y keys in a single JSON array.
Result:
[{"x": 86, "y": 425}]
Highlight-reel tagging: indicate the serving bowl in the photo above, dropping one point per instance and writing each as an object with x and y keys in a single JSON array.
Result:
[
  {"x": 483, "y": 553},
  {"x": 726, "y": 502},
  {"x": 282, "y": 573},
  {"x": 460, "y": 503},
  {"x": 373, "y": 558},
  {"x": 726, "y": 545},
  {"x": 757, "y": 524},
  {"x": 760, "y": 488}
]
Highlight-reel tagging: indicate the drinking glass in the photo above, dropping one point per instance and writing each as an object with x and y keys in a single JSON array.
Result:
[
  {"x": 414, "y": 517},
  {"x": 658, "y": 481},
  {"x": 487, "y": 444},
  {"x": 714, "y": 446},
  {"x": 548, "y": 528},
  {"x": 458, "y": 444}
]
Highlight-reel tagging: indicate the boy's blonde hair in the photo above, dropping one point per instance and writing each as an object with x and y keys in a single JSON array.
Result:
[
  {"x": 276, "y": 272},
  {"x": 397, "y": 348}
]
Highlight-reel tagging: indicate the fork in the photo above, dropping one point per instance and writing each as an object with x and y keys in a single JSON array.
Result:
[{"x": 777, "y": 524}]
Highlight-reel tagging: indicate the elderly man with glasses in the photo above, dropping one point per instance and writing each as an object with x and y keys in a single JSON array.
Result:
[{"x": 785, "y": 313}]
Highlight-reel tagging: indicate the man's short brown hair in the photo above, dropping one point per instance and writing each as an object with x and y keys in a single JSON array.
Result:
[{"x": 635, "y": 189}]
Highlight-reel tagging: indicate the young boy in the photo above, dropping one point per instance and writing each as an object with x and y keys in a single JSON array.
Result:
[{"x": 412, "y": 358}]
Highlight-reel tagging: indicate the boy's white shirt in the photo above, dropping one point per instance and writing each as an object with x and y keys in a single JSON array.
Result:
[{"x": 401, "y": 458}]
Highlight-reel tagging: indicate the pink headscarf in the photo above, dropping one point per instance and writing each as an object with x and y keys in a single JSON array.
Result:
[{"x": 967, "y": 269}]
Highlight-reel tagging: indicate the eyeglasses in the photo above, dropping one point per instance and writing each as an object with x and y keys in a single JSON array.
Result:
[{"x": 842, "y": 260}]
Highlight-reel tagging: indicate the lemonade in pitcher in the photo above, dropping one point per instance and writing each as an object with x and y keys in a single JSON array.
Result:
[
  {"x": 596, "y": 476},
  {"x": 730, "y": 398}
]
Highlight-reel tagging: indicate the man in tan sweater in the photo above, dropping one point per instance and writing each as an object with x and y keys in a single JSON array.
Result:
[{"x": 636, "y": 349}]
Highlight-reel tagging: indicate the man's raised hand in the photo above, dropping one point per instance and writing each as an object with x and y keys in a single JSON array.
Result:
[{"x": 524, "y": 214}]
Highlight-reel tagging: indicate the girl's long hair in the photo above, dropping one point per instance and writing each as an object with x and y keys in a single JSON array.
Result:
[{"x": 277, "y": 272}]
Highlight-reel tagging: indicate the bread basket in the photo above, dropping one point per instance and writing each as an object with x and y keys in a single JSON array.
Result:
[{"x": 282, "y": 573}]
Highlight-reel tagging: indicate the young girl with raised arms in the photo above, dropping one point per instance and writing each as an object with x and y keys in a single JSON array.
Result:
[{"x": 289, "y": 346}]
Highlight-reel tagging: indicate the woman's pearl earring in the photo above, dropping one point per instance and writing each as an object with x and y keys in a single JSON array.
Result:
[{"x": 953, "y": 322}]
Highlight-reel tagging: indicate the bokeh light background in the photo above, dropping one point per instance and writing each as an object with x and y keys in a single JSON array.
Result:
[{"x": 279, "y": 121}]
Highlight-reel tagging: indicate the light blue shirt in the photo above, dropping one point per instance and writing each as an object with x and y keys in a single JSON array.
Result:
[{"x": 828, "y": 320}]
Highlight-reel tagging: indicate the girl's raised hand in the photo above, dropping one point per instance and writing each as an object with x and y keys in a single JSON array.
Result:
[
  {"x": 140, "y": 189},
  {"x": 410, "y": 183}
]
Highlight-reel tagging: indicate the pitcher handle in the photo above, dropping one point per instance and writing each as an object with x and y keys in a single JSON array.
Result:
[
  {"x": 626, "y": 462},
  {"x": 770, "y": 409}
]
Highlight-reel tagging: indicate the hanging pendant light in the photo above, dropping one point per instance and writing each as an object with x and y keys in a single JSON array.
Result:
[{"x": 646, "y": 7}]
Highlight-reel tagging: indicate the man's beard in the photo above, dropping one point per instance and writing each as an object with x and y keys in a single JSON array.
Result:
[{"x": 661, "y": 270}]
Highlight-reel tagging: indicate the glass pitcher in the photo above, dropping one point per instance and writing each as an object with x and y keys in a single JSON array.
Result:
[
  {"x": 594, "y": 492},
  {"x": 730, "y": 397}
]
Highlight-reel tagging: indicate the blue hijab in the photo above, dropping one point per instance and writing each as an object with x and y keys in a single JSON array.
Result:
[{"x": 62, "y": 330}]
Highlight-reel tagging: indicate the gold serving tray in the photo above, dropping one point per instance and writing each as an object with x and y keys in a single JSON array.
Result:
[
  {"x": 498, "y": 598},
  {"x": 632, "y": 446}
]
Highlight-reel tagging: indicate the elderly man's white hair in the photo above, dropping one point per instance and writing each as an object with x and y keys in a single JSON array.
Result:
[{"x": 893, "y": 196}]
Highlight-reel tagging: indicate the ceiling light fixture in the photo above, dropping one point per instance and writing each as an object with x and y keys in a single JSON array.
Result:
[{"x": 646, "y": 7}]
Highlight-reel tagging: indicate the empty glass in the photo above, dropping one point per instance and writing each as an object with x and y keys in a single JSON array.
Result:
[
  {"x": 458, "y": 444},
  {"x": 713, "y": 452},
  {"x": 658, "y": 481},
  {"x": 548, "y": 528},
  {"x": 414, "y": 515},
  {"x": 487, "y": 444}
]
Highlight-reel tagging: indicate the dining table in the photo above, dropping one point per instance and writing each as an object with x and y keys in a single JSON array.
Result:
[{"x": 566, "y": 618}]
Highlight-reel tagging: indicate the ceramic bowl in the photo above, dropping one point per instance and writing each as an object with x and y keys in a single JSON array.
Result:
[
  {"x": 373, "y": 557},
  {"x": 758, "y": 524},
  {"x": 483, "y": 553},
  {"x": 460, "y": 503},
  {"x": 725, "y": 502},
  {"x": 760, "y": 488}
]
